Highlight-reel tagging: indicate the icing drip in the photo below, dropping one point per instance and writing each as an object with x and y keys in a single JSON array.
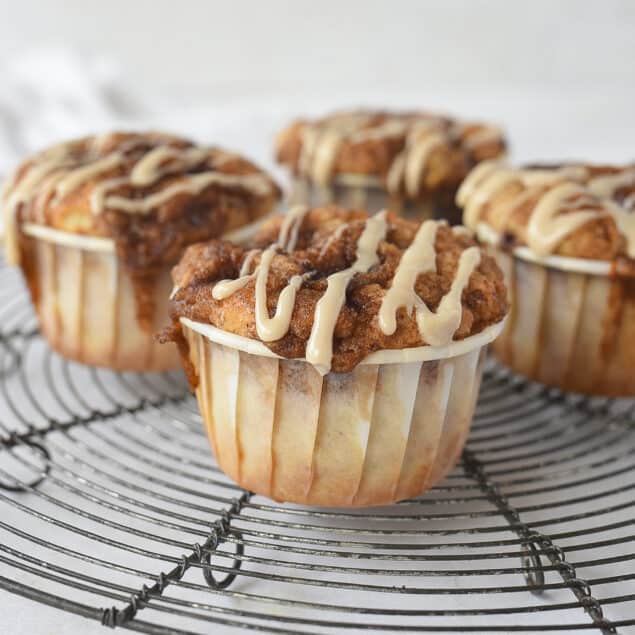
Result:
[
  {"x": 319, "y": 347},
  {"x": 473, "y": 179},
  {"x": 75, "y": 179},
  {"x": 22, "y": 192},
  {"x": 147, "y": 170},
  {"x": 334, "y": 237},
  {"x": 225, "y": 288},
  {"x": 98, "y": 195},
  {"x": 273, "y": 328},
  {"x": 390, "y": 128},
  {"x": 249, "y": 258},
  {"x": 546, "y": 229},
  {"x": 492, "y": 183},
  {"x": 321, "y": 143},
  {"x": 438, "y": 328},
  {"x": 417, "y": 259},
  {"x": 409, "y": 165},
  {"x": 268, "y": 328},
  {"x": 417, "y": 158},
  {"x": 59, "y": 172}
]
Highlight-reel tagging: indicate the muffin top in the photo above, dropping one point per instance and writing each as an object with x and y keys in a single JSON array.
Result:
[
  {"x": 333, "y": 285},
  {"x": 575, "y": 210},
  {"x": 152, "y": 193},
  {"x": 409, "y": 154}
]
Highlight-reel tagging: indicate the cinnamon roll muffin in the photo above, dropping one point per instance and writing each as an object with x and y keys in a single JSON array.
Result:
[
  {"x": 337, "y": 358},
  {"x": 565, "y": 237},
  {"x": 409, "y": 162},
  {"x": 97, "y": 223}
]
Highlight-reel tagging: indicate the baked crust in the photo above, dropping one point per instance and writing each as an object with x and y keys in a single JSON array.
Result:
[
  {"x": 146, "y": 241},
  {"x": 363, "y": 149},
  {"x": 318, "y": 253},
  {"x": 509, "y": 207}
]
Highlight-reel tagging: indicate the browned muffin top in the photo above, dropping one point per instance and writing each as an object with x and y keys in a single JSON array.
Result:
[
  {"x": 409, "y": 153},
  {"x": 574, "y": 210},
  {"x": 152, "y": 193},
  {"x": 332, "y": 285}
]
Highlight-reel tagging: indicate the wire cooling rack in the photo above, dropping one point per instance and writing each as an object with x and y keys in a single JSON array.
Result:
[{"x": 111, "y": 507}]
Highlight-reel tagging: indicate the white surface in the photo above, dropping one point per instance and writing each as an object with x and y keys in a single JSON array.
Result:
[
  {"x": 254, "y": 47},
  {"x": 558, "y": 76}
]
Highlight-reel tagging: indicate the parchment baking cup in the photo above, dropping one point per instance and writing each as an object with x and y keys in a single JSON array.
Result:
[
  {"x": 572, "y": 322},
  {"x": 384, "y": 432},
  {"x": 361, "y": 191},
  {"x": 86, "y": 305}
]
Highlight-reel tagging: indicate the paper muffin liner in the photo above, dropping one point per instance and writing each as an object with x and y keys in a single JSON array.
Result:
[
  {"x": 86, "y": 305},
  {"x": 366, "y": 192},
  {"x": 384, "y": 432},
  {"x": 571, "y": 325}
]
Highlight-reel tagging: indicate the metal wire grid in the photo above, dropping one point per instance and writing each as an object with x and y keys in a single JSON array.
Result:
[{"x": 111, "y": 507}]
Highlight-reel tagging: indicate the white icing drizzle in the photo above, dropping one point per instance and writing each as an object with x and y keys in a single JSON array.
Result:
[
  {"x": 319, "y": 347},
  {"x": 290, "y": 227},
  {"x": 321, "y": 143},
  {"x": 419, "y": 258},
  {"x": 249, "y": 258},
  {"x": 268, "y": 328},
  {"x": 417, "y": 158},
  {"x": 568, "y": 189},
  {"x": 22, "y": 192},
  {"x": 424, "y": 134},
  {"x": 463, "y": 231},
  {"x": 473, "y": 179},
  {"x": 273, "y": 328},
  {"x": 58, "y": 171},
  {"x": 98, "y": 195},
  {"x": 190, "y": 184},
  {"x": 390, "y": 128},
  {"x": 606, "y": 185},
  {"x": 147, "y": 170},
  {"x": 483, "y": 136},
  {"x": 333, "y": 238},
  {"x": 225, "y": 288},
  {"x": 395, "y": 173},
  {"x": 76, "y": 178},
  {"x": 490, "y": 177},
  {"x": 546, "y": 228},
  {"x": 409, "y": 165},
  {"x": 436, "y": 328}
]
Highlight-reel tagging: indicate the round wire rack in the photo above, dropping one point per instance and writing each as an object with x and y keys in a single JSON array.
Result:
[{"x": 112, "y": 507}]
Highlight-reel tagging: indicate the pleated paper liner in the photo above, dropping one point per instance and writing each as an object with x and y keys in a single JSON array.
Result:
[
  {"x": 572, "y": 323},
  {"x": 384, "y": 432},
  {"x": 86, "y": 305},
  {"x": 361, "y": 191}
]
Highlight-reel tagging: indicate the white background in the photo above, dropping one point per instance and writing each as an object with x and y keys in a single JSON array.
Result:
[
  {"x": 235, "y": 48},
  {"x": 559, "y": 75}
]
